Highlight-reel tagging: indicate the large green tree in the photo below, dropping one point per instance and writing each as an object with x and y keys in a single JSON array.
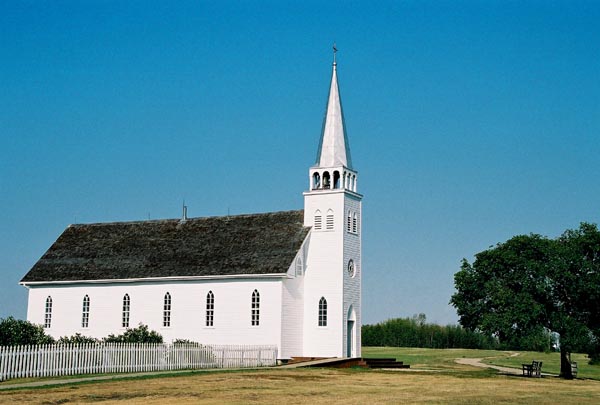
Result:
[{"x": 529, "y": 285}]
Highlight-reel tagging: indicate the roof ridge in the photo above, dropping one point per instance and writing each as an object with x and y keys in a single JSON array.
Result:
[{"x": 166, "y": 220}]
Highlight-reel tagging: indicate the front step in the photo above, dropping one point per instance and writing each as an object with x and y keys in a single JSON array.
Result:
[
  {"x": 345, "y": 362},
  {"x": 384, "y": 363},
  {"x": 295, "y": 360}
]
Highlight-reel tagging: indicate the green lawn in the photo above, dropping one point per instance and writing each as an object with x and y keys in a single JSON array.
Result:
[{"x": 443, "y": 359}]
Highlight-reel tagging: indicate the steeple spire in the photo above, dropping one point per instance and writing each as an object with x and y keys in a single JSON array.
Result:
[{"x": 334, "y": 149}]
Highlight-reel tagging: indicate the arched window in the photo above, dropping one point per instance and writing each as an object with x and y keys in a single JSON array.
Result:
[
  {"x": 85, "y": 315},
  {"x": 167, "y": 311},
  {"x": 210, "y": 309},
  {"x": 355, "y": 223},
  {"x": 326, "y": 180},
  {"x": 336, "y": 179},
  {"x": 322, "y": 312},
  {"x": 48, "y": 313},
  {"x": 316, "y": 181},
  {"x": 299, "y": 266},
  {"x": 255, "y": 308},
  {"x": 329, "y": 220},
  {"x": 126, "y": 308},
  {"x": 349, "y": 222},
  {"x": 318, "y": 220}
]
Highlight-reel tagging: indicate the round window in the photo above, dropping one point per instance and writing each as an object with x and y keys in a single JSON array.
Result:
[{"x": 351, "y": 269}]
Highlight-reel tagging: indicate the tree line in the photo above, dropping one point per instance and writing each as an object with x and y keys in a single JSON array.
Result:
[{"x": 416, "y": 332}]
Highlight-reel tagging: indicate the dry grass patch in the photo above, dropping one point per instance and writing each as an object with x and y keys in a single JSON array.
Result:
[{"x": 316, "y": 386}]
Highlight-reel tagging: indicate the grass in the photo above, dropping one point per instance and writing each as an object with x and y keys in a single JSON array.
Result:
[
  {"x": 429, "y": 359},
  {"x": 317, "y": 386},
  {"x": 443, "y": 359},
  {"x": 434, "y": 377}
]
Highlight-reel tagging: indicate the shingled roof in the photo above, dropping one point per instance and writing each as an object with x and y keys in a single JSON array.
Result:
[{"x": 212, "y": 246}]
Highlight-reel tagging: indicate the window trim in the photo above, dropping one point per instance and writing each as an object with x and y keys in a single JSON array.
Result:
[
  {"x": 167, "y": 306},
  {"x": 322, "y": 317},
  {"x": 210, "y": 310},
  {"x": 85, "y": 313},
  {"x": 125, "y": 315},
  {"x": 255, "y": 309},
  {"x": 48, "y": 313}
]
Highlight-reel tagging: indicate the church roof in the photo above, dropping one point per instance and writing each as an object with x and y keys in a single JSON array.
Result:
[
  {"x": 334, "y": 149},
  {"x": 213, "y": 246}
]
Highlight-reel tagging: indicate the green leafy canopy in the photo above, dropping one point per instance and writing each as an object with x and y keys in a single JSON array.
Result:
[{"x": 521, "y": 290}]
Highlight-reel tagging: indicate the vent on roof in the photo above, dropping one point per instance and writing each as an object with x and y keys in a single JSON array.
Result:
[{"x": 184, "y": 213}]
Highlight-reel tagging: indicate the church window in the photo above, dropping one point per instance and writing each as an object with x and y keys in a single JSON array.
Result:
[
  {"x": 329, "y": 220},
  {"x": 336, "y": 179},
  {"x": 349, "y": 222},
  {"x": 48, "y": 313},
  {"x": 210, "y": 308},
  {"x": 316, "y": 181},
  {"x": 299, "y": 266},
  {"x": 351, "y": 268},
  {"x": 355, "y": 223},
  {"x": 167, "y": 311},
  {"x": 255, "y": 308},
  {"x": 85, "y": 316},
  {"x": 326, "y": 180},
  {"x": 318, "y": 220},
  {"x": 125, "y": 315},
  {"x": 322, "y": 312}
]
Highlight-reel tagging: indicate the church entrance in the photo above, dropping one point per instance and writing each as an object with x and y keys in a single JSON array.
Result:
[
  {"x": 350, "y": 332},
  {"x": 350, "y": 343}
]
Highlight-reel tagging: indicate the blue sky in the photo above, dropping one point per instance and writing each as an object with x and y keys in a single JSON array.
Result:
[{"x": 469, "y": 122}]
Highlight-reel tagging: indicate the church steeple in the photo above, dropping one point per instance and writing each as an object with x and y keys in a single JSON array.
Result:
[
  {"x": 333, "y": 211},
  {"x": 334, "y": 149},
  {"x": 333, "y": 167}
]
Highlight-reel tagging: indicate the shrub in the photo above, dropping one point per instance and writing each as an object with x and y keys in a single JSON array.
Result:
[
  {"x": 141, "y": 334},
  {"x": 77, "y": 339},
  {"x": 15, "y": 332}
]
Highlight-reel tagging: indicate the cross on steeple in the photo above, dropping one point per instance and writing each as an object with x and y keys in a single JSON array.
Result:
[{"x": 334, "y": 52}]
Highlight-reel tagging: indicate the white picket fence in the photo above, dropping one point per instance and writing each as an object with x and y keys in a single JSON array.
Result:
[{"x": 94, "y": 358}]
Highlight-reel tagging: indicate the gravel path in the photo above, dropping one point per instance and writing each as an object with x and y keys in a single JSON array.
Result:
[{"x": 478, "y": 363}]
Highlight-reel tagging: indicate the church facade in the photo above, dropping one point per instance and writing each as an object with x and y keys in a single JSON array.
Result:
[{"x": 290, "y": 279}]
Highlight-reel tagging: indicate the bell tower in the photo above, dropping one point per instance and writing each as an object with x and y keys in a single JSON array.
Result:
[{"x": 332, "y": 208}]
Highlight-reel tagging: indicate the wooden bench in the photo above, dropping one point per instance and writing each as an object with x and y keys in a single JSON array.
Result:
[{"x": 532, "y": 370}]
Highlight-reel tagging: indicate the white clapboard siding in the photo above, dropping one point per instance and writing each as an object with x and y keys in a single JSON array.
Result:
[{"x": 91, "y": 358}]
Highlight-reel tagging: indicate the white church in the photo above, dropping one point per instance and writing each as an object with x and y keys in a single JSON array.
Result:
[{"x": 290, "y": 279}]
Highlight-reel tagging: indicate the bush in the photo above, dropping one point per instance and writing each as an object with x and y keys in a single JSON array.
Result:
[
  {"x": 77, "y": 339},
  {"x": 14, "y": 332},
  {"x": 141, "y": 334}
]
